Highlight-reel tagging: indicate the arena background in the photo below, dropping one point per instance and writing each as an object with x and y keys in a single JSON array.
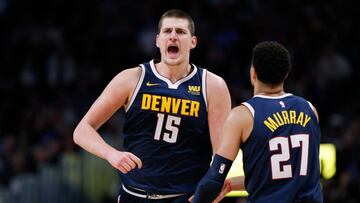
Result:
[{"x": 57, "y": 56}]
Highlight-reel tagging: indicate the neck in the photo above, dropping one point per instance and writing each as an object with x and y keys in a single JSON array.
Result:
[
  {"x": 173, "y": 72},
  {"x": 267, "y": 90}
]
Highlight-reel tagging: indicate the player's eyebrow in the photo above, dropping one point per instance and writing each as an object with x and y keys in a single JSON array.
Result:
[{"x": 177, "y": 29}]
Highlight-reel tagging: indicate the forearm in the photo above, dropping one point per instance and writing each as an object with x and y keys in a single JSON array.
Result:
[
  {"x": 210, "y": 185},
  {"x": 90, "y": 140}
]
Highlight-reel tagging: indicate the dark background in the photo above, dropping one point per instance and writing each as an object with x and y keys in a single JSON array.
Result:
[{"x": 57, "y": 56}]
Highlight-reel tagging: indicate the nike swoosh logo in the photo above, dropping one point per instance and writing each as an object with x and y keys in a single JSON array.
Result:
[{"x": 152, "y": 84}]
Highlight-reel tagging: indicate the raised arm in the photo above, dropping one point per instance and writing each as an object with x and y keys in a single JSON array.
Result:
[
  {"x": 115, "y": 95},
  {"x": 236, "y": 130},
  {"x": 219, "y": 106}
]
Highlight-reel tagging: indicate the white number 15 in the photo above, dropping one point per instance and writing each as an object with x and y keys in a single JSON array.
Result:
[{"x": 171, "y": 125}]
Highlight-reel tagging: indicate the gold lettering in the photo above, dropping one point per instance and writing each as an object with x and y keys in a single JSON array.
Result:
[
  {"x": 170, "y": 105},
  {"x": 300, "y": 118},
  {"x": 175, "y": 105},
  {"x": 279, "y": 119},
  {"x": 146, "y": 101},
  {"x": 285, "y": 116},
  {"x": 194, "y": 88},
  {"x": 185, "y": 107},
  {"x": 155, "y": 102},
  {"x": 271, "y": 124},
  {"x": 165, "y": 104},
  {"x": 307, "y": 119},
  {"x": 292, "y": 116},
  {"x": 194, "y": 108}
]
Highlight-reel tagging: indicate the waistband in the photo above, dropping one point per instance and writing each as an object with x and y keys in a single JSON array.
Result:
[{"x": 146, "y": 195}]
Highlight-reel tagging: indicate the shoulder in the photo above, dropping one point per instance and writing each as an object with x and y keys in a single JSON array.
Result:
[
  {"x": 314, "y": 110},
  {"x": 215, "y": 83},
  {"x": 243, "y": 117},
  {"x": 242, "y": 113},
  {"x": 217, "y": 92},
  {"x": 302, "y": 99},
  {"x": 239, "y": 122},
  {"x": 129, "y": 73},
  {"x": 126, "y": 79}
]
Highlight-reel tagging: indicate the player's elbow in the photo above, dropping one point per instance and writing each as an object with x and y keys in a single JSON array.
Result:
[{"x": 77, "y": 134}]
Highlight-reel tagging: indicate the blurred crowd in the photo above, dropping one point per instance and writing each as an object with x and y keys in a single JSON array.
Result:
[{"x": 57, "y": 56}]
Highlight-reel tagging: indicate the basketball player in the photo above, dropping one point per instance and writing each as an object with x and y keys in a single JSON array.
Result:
[
  {"x": 174, "y": 113},
  {"x": 279, "y": 136}
]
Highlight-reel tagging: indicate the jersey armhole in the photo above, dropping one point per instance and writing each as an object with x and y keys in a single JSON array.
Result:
[
  {"x": 314, "y": 111},
  {"x": 137, "y": 88},
  {"x": 251, "y": 109},
  {"x": 312, "y": 107},
  {"x": 204, "y": 75}
]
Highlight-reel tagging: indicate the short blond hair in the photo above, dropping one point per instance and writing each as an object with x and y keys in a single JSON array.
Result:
[{"x": 176, "y": 13}]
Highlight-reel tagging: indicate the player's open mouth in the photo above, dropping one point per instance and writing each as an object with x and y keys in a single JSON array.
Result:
[{"x": 173, "y": 50}]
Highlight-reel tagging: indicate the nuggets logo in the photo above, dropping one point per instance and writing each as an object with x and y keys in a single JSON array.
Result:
[{"x": 194, "y": 90}]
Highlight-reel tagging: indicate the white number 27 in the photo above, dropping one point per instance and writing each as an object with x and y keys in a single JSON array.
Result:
[
  {"x": 171, "y": 125},
  {"x": 284, "y": 145}
]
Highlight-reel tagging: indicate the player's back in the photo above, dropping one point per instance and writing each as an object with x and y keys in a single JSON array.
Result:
[{"x": 281, "y": 155}]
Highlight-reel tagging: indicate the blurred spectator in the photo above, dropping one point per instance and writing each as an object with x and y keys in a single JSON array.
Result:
[{"x": 332, "y": 67}]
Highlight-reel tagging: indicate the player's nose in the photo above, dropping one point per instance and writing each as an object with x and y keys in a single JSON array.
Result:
[{"x": 173, "y": 34}]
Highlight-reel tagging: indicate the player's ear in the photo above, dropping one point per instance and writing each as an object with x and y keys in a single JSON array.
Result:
[
  {"x": 193, "y": 42},
  {"x": 157, "y": 41},
  {"x": 252, "y": 72},
  {"x": 253, "y": 75}
]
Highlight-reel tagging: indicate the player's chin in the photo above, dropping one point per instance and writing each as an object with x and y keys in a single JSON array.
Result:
[{"x": 173, "y": 61}]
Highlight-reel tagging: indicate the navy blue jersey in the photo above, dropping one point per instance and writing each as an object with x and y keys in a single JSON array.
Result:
[
  {"x": 167, "y": 128},
  {"x": 281, "y": 155}
]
